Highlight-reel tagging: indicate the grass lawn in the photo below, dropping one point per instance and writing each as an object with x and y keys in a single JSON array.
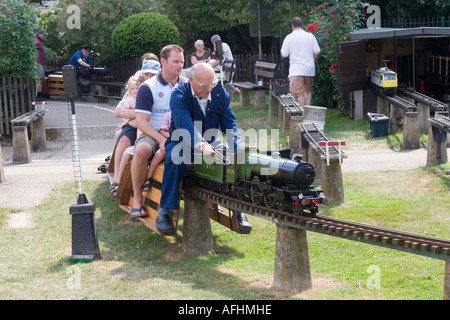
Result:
[{"x": 138, "y": 264}]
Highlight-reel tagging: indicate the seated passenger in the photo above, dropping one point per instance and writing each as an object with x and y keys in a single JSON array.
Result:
[{"x": 152, "y": 103}]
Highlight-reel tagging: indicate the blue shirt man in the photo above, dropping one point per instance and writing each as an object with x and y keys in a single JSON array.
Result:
[
  {"x": 197, "y": 106},
  {"x": 81, "y": 58}
]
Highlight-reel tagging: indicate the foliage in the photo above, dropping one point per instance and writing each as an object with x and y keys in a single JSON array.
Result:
[
  {"x": 98, "y": 18},
  {"x": 48, "y": 20},
  {"x": 18, "y": 22},
  {"x": 331, "y": 22},
  {"x": 412, "y": 8},
  {"x": 143, "y": 32},
  {"x": 201, "y": 19}
]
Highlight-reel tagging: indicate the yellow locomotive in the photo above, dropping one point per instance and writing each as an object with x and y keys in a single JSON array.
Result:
[{"x": 384, "y": 79}]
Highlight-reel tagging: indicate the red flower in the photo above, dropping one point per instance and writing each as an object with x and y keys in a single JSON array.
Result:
[
  {"x": 332, "y": 11},
  {"x": 323, "y": 7}
]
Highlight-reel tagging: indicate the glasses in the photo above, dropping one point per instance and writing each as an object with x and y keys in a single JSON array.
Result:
[{"x": 204, "y": 85}]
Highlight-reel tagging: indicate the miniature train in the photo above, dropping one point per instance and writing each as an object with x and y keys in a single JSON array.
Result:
[
  {"x": 384, "y": 79},
  {"x": 262, "y": 179}
]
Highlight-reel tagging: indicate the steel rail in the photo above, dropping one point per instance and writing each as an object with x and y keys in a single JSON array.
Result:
[
  {"x": 419, "y": 97},
  {"x": 433, "y": 247},
  {"x": 320, "y": 137}
]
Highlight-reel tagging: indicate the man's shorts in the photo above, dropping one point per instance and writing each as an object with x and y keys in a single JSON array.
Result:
[
  {"x": 143, "y": 138},
  {"x": 40, "y": 71},
  {"x": 299, "y": 85}
]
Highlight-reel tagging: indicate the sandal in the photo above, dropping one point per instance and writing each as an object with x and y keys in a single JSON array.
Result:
[
  {"x": 147, "y": 184},
  {"x": 113, "y": 188},
  {"x": 140, "y": 215}
]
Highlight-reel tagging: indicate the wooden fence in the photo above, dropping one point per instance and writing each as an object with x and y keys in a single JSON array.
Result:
[{"x": 16, "y": 95}]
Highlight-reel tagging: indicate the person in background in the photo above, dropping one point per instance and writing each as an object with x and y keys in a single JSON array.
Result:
[
  {"x": 81, "y": 58},
  {"x": 227, "y": 56},
  {"x": 41, "y": 62},
  {"x": 303, "y": 51},
  {"x": 200, "y": 54}
]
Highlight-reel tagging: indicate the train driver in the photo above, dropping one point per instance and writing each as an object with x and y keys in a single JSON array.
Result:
[{"x": 202, "y": 100}]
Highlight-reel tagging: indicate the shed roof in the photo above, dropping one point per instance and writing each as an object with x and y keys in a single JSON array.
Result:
[{"x": 392, "y": 33}]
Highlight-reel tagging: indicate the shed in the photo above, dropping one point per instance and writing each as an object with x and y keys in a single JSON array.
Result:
[{"x": 420, "y": 56}]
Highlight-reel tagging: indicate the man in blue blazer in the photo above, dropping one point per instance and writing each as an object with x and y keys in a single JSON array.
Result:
[{"x": 198, "y": 106}]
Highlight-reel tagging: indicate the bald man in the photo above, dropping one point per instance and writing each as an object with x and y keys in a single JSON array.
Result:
[{"x": 204, "y": 101}]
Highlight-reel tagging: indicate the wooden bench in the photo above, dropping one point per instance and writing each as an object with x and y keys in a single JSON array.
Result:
[
  {"x": 25, "y": 127},
  {"x": 262, "y": 69},
  {"x": 152, "y": 198}
]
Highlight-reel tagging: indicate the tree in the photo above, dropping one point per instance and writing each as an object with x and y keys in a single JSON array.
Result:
[
  {"x": 97, "y": 20},
  {"x": 143, "y": 32},
  {"x": 18, "y": 22},
  {"x": 331, "y": 22}
]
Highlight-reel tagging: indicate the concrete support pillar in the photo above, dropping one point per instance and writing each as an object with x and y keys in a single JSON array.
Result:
[
  {"x": 359, "y": 105},
  {"x": 331, "y": 182},
  {"x": 295, "y": 133},
  {"x": 447, "y": 281},
  {"x": 292, "y": 272},
  {"x": 382, "y": 106},
  {"x": 437, "y": 150},
  {"x": 260, "y": 99},
  {"x": 21, "y": 145},
  {"x": 411, "y": 135},
  {"x": 197, "y": 234},
  {"x": 313, "y": 157},
  {"x": 38, "y": 138},
  {"x": 396, "y": 120},
  {"x": 286, "y": 122},
  {"x": 423, "y": 113},
  {"x": 314, "y": 114},
  {"x": 244, "y": 98},
  {"x": 274, "y": 107}
]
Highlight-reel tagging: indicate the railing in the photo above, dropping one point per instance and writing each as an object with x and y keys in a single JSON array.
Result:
[
  {"x": 440, "y": 22},
  {"x": 16, "y": 95}
]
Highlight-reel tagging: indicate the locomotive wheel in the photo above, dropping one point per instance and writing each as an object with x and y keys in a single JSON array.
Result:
[
  {"x": 256, "y": 194},
  {"x": 297, "y": 208},
  {"x": 270, "y": 200}
]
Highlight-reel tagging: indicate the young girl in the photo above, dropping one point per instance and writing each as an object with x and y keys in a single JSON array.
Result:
[{"x": 126, "y": 132}]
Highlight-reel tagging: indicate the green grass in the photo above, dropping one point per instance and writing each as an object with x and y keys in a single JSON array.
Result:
[{"x": 139, "y": 264}]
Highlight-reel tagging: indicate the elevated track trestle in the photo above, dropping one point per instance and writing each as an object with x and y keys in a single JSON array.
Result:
[
  {"x": 318, "y": 140},
  {"x": 432, "y": 247},
  {"x": 433, "y": 104}
]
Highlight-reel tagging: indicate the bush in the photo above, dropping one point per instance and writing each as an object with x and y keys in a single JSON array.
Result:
[
  {"x": 143, "y": 32},
  {"x": 331, "y": 22},
  {"x": 18, "y": 22}
]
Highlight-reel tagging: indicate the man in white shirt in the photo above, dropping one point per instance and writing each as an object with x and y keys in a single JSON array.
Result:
[{"x": 303, "y": 51}]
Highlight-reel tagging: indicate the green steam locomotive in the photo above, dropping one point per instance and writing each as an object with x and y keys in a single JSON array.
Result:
[{"x": 262, "y": 178}]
